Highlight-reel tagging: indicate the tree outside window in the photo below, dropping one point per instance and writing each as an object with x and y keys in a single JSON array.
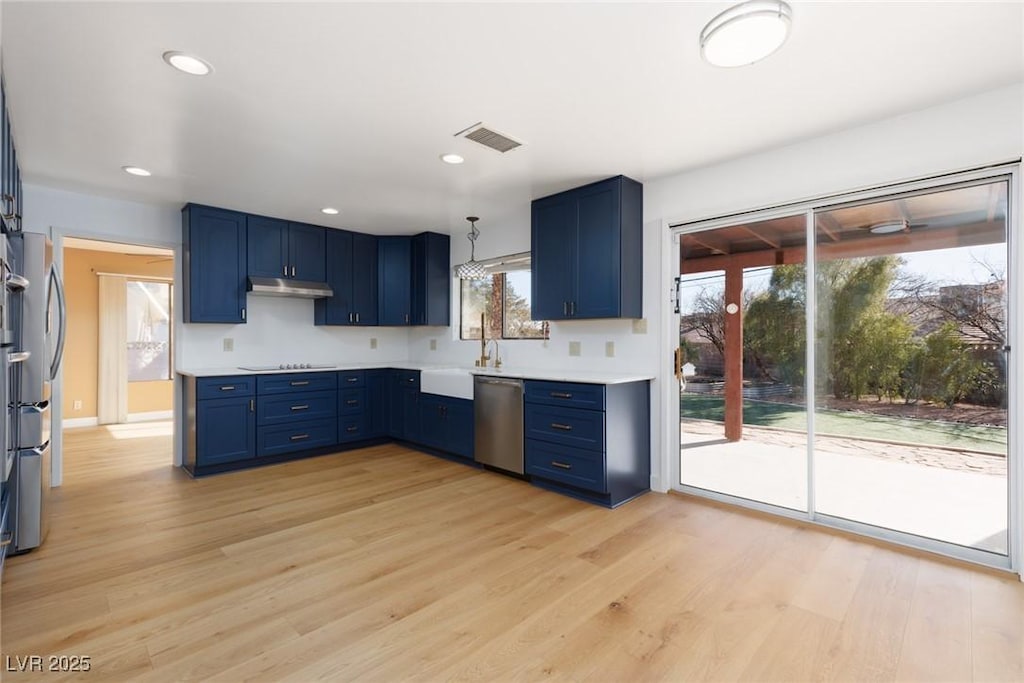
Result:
[{"x": 504, "y": 300}]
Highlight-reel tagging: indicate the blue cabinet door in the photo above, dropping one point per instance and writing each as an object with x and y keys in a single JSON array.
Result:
[
  {"x": 459, "y": 426},
  {"x": 394, "y": 280},
  {"x": 431, "y": 279},
  {"x": 336, "y": 309},
  {"x": 267, "y": 247},
  {"x": 364, "y": 279},
  {"x": 306, "y": 247},
  {"x": 376, "y": 403},
  {"x": 598, "y": 248},
  {"x": 432, "y": 432},
  {"x": 225, "y": 430},
  {"x": 215, "y": 265},
  {"x": 411, "y": 414},
  {"x": 553, "y": 258}
]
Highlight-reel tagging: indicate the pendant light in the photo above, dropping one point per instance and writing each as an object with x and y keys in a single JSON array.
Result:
[
  {"x": 471, "y": 269},
  {"x": 746, "y": 33}
]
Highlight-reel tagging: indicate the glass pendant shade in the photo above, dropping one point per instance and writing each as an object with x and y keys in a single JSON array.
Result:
[{"x": 471, "y": 269}]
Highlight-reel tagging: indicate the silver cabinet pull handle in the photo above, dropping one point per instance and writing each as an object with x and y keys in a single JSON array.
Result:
[
  {"x": 252, "y": 405},
  {"x": 357, "y": 317},
  {"x": 561, "y": 465},
  {"x": 352, "y": 429},
  {"x": 227, "y": 388},
  {"x": 293, "y": 271},
  {"x": 410, "y": 380},
  {"x": 243, "y": 314},
  {"x": 300, "y": 407},
  {"x": 300, "y": 437},
  {"x": 352, "y": 402},
  {"x": 564, "y": 428},
  {"x": 352, "y": 379},
  {"x": 560, "y": 394},
  {"x": 284, "y": 271},
  {"x": 300, "y": 384}
]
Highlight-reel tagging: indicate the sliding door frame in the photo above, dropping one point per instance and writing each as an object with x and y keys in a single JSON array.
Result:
[{"x": 1009, "y": 172}]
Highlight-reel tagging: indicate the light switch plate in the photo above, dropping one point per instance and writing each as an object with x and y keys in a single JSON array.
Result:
[
  {"x": 229, "y": 344},
  {"x": 77, "y": 405},
  {"x": 433, "y": 345},
  {"x": 609, "y": 349},
  {"x": 640, "y": 326},
  {"x": 574, "y": 348},
  {"x": 373, "y": 342}
]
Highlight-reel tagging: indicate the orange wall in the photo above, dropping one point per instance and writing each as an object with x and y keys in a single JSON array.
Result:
[{"x": 81, "y": 352}]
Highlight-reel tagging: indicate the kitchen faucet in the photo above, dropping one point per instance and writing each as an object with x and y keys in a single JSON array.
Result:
[{"x": 481, "y": 362}]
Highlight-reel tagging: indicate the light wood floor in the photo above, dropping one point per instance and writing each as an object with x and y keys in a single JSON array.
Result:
[{"x": 385, "y": 564}]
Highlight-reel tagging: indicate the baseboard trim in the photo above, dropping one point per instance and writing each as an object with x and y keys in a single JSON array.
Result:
[
  {"x": 76, "y": 422},
  {"x": 154, "y": 415}
]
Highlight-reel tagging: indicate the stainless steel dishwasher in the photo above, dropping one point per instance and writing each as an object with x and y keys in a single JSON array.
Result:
[{"x": 498, "y": 422}]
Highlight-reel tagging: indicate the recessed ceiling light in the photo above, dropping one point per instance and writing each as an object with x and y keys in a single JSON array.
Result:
[
  {"x": 187, "y": 63},
  {"x": 746, "y": 33},
  {"x": 136, "y": 170},
  {"x": 889, "y": 227},
  {"x": 452, "y": 159},
  {"x": 330, "y": 211}
]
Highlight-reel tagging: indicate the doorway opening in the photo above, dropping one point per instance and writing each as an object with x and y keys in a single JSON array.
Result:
[{"x": 118, "y": 375}]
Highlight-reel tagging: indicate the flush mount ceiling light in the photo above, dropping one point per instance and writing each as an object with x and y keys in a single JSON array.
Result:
[
  {"x": 330, "y": 211},
  {"x": 746, "y": 33},
  {"x": 187, "y": 63},
  {"x": 452, "y": 159},
  {"x": 136, "y": 170},
  {"x": 889, "y": 227},
  {"x": 471, "y": 269}
]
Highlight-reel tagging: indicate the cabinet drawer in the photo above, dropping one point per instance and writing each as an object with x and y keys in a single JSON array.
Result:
[
  {"x": 351, "y": 428},
  {"x": 351, "y": 402},
  {"x": 348, "y": 379},
  {"x": 407, "y": 378},
  {"x": 568, "y": 465},
  {"x": 306, "y": 405},
  {"x": 296, "y": 436},
  {"x": 571, "y": 395},
  {"x": 225, "y": 387},
  {"x": 568, "y": 426},
  {"x": 299, "y": 381}
]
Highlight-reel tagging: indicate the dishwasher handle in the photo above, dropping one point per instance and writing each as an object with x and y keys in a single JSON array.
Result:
[{"x": 500, "y": 382}]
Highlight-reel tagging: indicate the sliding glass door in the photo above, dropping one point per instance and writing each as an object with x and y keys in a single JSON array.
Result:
[
  {"x": 910, "y": 421},
  {"x": 887, "y": 315}
]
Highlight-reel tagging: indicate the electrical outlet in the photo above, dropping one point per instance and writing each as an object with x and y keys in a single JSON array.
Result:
[
  {"x": 574, "y": 348},
  {"x": 640, "y": 326},
  {"x": 77, "y": 405},
  {"x": 609, "y": 349},
  {"x": 229, "y": 344},
  {"x": 433, "y": 345},
  {"x": 373, "y": 342}
]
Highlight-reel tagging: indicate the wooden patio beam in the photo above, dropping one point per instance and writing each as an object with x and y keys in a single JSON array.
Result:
[{"x": 734, "y": 353}]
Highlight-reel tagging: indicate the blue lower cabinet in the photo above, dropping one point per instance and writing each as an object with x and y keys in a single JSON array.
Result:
[
  {"x": 569, "y": 426},
  {"x": 351, "y": 428},
  {"x": 225, "y": 430},
  {"x": 446, "y": 424},
  {"x": 377, "y": 405},
  {"x": 573, "y": 466},
  {"x": 287, "y": 408},
  {"x": 351, "y": 402},
  {"x": 296, "y": 436}
]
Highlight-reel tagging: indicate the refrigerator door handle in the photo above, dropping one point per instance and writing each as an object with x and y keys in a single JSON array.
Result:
[
  {"x": 62, "y": 311},
  {"x": 20, "y": 356},
  {"x": 15, "y": 282}
]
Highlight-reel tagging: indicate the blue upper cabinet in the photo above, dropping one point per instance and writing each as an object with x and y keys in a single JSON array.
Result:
[
  {"x": 290, "y": 250},
  {"x": 306, "y": 248},
  {"x": 394, "y": 280},
  {"x": 268, "y": 247},
  {"x": 214, "y": 264},
  {"x": 431, "y": 279},
  {"x": 587, "y": 252},
  {"x": 351, "y": 269}
]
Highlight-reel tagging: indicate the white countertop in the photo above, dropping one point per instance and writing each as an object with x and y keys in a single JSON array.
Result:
[{"x": 556, "y": 375}]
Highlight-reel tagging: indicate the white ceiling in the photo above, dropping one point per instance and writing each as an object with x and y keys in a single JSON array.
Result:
[{"x": 350, "y": 105}]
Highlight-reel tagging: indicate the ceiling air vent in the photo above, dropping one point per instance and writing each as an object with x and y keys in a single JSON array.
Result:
[{"x": 489, "y": 138}]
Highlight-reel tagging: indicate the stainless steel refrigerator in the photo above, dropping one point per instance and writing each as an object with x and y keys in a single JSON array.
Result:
[{"x": 40, "y": 317}]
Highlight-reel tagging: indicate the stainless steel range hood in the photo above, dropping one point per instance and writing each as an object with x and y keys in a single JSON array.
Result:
[{"x": 297, "y": 289}]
